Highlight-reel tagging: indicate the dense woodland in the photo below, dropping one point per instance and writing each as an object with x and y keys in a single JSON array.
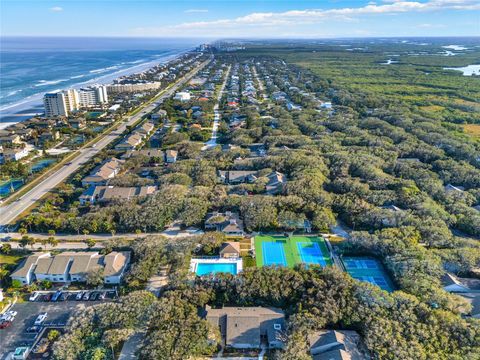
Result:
[{"x": 380, "y": 161}]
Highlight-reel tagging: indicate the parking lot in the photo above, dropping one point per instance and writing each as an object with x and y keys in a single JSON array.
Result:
[{"x": 58, "y": 313}]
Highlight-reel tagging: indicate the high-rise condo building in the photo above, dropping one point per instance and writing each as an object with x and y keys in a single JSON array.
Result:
[
  {"x": 61, "y": 103},
  {"x": 93, "y": 95}
]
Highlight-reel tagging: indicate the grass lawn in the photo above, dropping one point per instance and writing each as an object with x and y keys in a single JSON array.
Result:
[
  {"x": 284, "y": 251},
  {"x": 10, "y": 259}
]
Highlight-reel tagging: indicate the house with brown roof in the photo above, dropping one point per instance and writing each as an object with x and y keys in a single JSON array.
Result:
[
  {"x": 103, "y": 194},
  {"x": 171, "y": 156},
  {"x": 130, "y": 143},
  {"x": 101, "y": 174},
  {"x": 249, "y": 327},
  {"x": 230, "y": 249}
]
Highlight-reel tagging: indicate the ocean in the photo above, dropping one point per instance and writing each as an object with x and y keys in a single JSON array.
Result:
[{"x": 32, "y": 66}]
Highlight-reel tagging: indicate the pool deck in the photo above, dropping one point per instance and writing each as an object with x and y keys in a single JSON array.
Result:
[{"x": 215, "y": 260}]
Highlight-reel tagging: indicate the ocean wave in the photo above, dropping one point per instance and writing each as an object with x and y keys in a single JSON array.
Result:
[
  {"x": 50, "y": 82},
  {"x": 104, "y": 69},
  {"x": 77, "y": 77}
]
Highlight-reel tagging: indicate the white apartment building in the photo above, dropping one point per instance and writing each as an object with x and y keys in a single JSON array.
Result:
[
  {"x": 93, "y": 95},
  {"x": 61, "y": 103}
]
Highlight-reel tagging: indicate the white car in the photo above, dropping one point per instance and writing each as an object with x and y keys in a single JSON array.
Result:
[
  {"x": 34, "y": 296},
  {"x": 40, "y": 319}
]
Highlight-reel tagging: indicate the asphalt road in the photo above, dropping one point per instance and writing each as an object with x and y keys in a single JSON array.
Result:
[
  {"x": 10, "y": 212},
  {"x": 58, "y": 314}
]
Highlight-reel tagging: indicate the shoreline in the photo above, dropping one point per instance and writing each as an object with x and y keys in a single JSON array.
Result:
[{"x": 33, "y": 104}]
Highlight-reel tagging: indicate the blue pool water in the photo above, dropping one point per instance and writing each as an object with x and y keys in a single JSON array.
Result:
[
  {"x": 310, "y": 253},
  {"x": 6, "y": 188},
  {"x": 214, "y": 268},
  {"x": 273, "y": 253},
  {"x": 41, "y": 164}
]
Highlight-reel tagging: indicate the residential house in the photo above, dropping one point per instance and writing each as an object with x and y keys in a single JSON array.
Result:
[
  {"x": 116, "y": 264},
  {"x": 103, "y": 194},
  {"x": 24, "y": 271},
  {"x": 145, "y": 129},
  {"x": 229, "y": 223},
  {"x": 156, "y": 154},
  {"x": 106, "y": 171},
  {"x": 72, "y": 266},
  {"x": 14, "y": 154},
  {"x": 182, "y": 96},
  {"x": 392, "y": 215},
  {"x": 77, "y": 123},
  {"x": 230, "y": 249},
  {"x": 276, "y": 183},
  {"x": 11, "y": 139},
  {"x": 455, "y": 284},
  {"x": 336, "y": 344},
  {"x": 246, "y": 327},
  {"x": 171, "y": 156},
  {"x": 131, "y": 142},
  {"x": 235, "y": 177}
]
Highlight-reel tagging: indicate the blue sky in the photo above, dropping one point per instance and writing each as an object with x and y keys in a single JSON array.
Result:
[{"x": 244, "y": 19}]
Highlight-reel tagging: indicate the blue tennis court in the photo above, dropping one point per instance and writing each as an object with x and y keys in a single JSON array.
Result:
[
  {"x": 368, "y": 270},
  {"x": 273, "y": 253},
  {"x": 310, "y": 253}
]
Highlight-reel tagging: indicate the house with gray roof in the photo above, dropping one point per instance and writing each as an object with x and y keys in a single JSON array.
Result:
[
  {"x": 72, "y": 266},
  {"x": 24, "y": 271},
  {"x": 249, "y": 327},
  {"x": 103, "y": 173},
  {"x": 336, "y": 345},
  {"x": 105, "y": 194},
  {"x": 235, "y": 177}
]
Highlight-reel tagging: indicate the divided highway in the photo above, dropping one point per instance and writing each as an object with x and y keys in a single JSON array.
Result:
[{"x": 11, "y": 211}]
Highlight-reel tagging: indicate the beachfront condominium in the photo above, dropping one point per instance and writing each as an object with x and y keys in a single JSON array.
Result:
[
  {"x": 93, "y": 96},
  {"x": 61, "y": 103}
]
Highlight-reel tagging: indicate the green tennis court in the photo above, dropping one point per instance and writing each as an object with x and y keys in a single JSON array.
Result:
[{"x": 289, "y": 251}]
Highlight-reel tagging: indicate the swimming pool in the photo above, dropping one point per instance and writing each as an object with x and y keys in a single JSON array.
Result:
[
  {"x": 214, "y": 268},
  {"x": 274, "y": 253}
]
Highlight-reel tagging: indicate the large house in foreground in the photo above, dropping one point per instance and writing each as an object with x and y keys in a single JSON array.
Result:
[
  {"x": 71, "y": 267},
  {"x": 248, "y": 327}
]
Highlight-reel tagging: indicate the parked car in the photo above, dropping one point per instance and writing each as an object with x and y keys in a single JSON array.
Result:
[
  {"x": 4, "y": 324},
  {"x": 40, "y": 319},
  {"x": 47, "y": 297},
  {"x": 93, "y": 297},
  {"x": 86, "y": 296},
  {"x": 33, "y": 329},
  {"x": 56, "y": 296},
  {"x": 101, "y": 296},
  {"x": 79, "y": 295},
  {"x": 35, "y": 295}
]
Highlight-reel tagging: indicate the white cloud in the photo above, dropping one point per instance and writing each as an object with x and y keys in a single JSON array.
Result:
[
  {"x": 190, "y": 11},
  {"x": 295, "y": 18},
  {"x": 56, "y": 9}
]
